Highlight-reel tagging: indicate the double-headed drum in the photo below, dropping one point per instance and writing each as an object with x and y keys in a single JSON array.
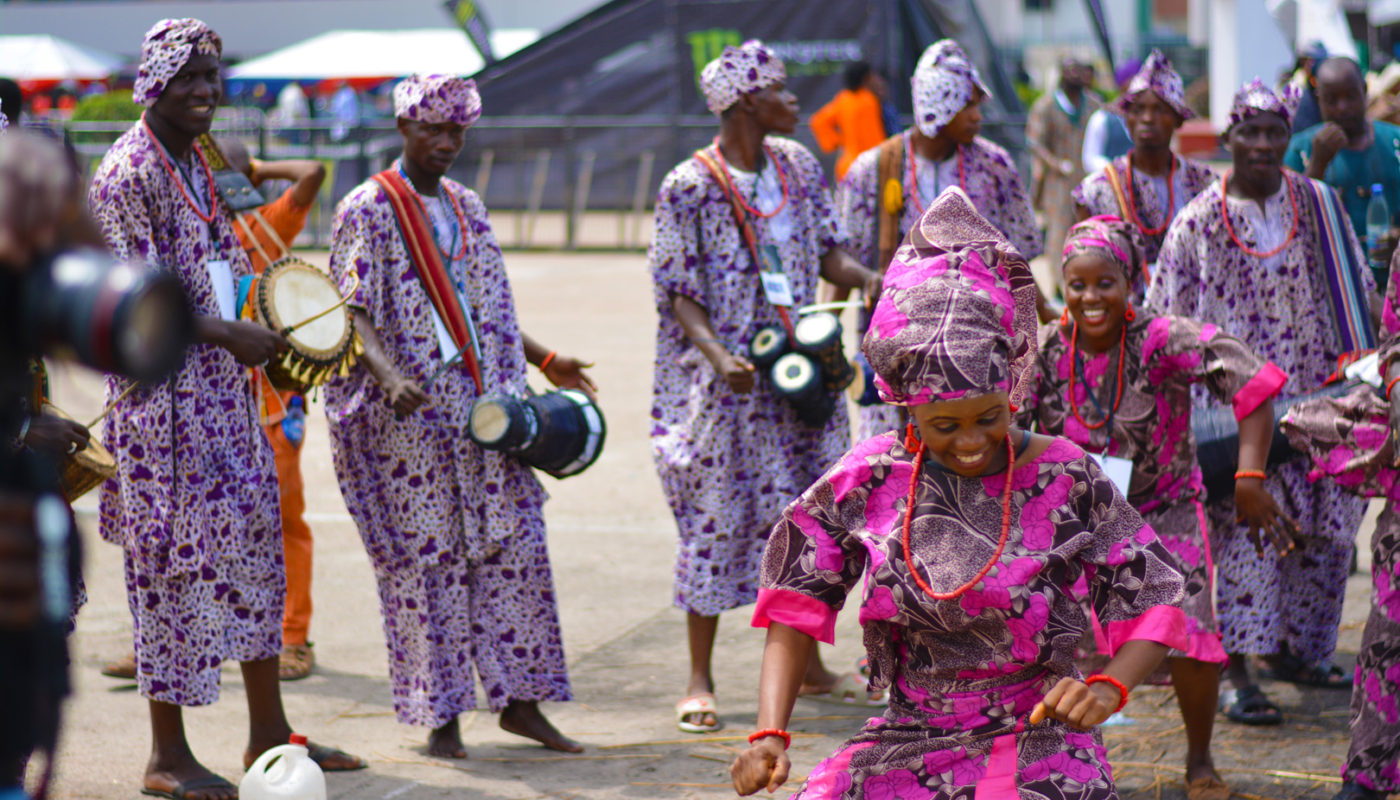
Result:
[
  {"x": 862, "y": 389},
  {"x": 304, "y": 305},
  {"x": 819, "y": 337},
  {"x": 560, "y": 432},
  {"x": 767, "y": 346},
  {"x": 798, "y": 380}
]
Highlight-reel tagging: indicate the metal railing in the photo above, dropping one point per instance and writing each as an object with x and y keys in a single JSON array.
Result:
[{"x": 549, "y": 182}]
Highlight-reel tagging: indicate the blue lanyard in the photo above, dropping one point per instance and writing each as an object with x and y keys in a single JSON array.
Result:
[{"x": 1078, "y": 374}]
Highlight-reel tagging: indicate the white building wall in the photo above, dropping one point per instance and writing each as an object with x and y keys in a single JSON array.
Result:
[{"x": 1245, "y": 42}]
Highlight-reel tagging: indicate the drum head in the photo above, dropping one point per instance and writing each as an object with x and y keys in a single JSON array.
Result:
[
  {"x": 795, "y": 374},
  {"x": 294, "y": 292},
  {"x": 767, "y": 345},
  {"x": 499, "y": 422},
  {"x": 817, "y": 329}
]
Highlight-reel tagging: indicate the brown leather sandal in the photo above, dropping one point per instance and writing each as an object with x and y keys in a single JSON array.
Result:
[{"x": 296, "y": 661}]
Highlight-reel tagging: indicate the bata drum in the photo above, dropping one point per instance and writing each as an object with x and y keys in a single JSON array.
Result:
[
  {"x": 798, "y": 380},
  {"x": 559, "y": 432},
  {"x": 85, "y": 469},
  {"x": 303, "y": 304},
  {"x": 768, "y": 345},
  {"x": 819, "y": 336},
  {"x": 1218, "y": 440},
  {"x": 862, "y": 389}
]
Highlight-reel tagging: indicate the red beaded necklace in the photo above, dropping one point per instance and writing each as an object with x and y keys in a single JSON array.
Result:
[
  {"x": 782, "y": 176},
  {"x": 175, "y": 176},
  {"x": 1074, "y": 373},
  {"x": 456, "y": 210},
  {"x": 914, "y": 172},
  {"x": 1001, "y": 542},
  {"x": 1166, "y": 212},
  {"x": 1225, "y": 212}
]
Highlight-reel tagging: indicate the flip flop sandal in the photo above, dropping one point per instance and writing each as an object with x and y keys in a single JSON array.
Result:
[
  {"x": 698, "y": 706},
  {"x": 124, "y": 668},
  {"x": 295, "y": 662},
  {"x": 1250, "y": 706},
  {"x": 852, "y": 690},
  {"x": 321, "y": 753},
  {"x": 184, "y": 790},
  {"x": 1211, "y": 788}
]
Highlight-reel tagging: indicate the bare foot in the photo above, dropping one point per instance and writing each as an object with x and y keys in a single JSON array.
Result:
[
  {"x": 523, "y": 718},
  {"x": 818, "y": 683},
  {"x": 187, "y": 774},
  {"x": 446, "y": 741}
]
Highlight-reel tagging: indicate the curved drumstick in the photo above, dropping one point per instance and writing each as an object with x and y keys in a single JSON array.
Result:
[
  {"x": 112, "y": 405},
  {"x": 815, "y": 307}
]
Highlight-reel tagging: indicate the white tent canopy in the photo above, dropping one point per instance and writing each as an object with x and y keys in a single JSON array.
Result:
[
  {"x": 378, "y": 54},
  {"x": 49, "y": 58}
]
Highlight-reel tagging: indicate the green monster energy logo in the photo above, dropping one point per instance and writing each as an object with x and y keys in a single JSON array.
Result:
[{"x": 706, "y": 46}]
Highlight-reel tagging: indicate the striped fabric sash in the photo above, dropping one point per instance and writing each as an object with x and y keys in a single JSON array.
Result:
[
  {"x": 428, "y": 264},
  {"x": 1349, "y": 305}
]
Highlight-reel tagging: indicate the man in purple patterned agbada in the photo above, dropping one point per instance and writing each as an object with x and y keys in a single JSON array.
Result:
[
  {"x": 730, "y": 451},
  {"x": 1251, "y": 254},
  {"x": 455, "y": 533},
  {"x": 194, "y": 504},
  {"x": 942, "y": 149}
]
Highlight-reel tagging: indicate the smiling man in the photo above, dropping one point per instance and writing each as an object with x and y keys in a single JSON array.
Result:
[
  {"x": 455, "y": 532},
  {"x": 194, "y": 503},
  {"x": 1252, "y": 255}
]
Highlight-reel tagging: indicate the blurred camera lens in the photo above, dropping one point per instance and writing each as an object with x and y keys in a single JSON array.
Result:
[{"x": 112, "y": 316}]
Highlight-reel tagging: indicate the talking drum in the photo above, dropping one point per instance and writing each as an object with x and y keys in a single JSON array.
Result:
[
  {"x": 304, "y": 305},
  {"x": 767, "y": 346},
  {"x": 559, "y": 432},
  {"x": 798, "y": 380},
  {"x": 819, "y": 336},
  {"x": 1218, "y": 440}
]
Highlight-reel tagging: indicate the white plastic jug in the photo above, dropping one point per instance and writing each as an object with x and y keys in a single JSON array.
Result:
[{"x": 285, "y": 772}]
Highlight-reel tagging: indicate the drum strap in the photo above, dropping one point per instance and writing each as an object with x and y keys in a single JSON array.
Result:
[
  {"x": 722, "y": 178},
  {"x": 247, "y": 228},
  {"x": 1118, "y": 193},
  {"x": 427, "y": 261}
]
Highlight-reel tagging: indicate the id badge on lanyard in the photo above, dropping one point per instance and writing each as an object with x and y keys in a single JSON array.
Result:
[
  {"x": 776, "y": 285},
  {"x": 1118, "y": 470}
]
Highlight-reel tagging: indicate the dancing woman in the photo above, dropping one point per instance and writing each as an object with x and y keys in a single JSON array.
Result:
[
  {"x": 1118, "y": 383},
  {"x": 969, "y": 537}
]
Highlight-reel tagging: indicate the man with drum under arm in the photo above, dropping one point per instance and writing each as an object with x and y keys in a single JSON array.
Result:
[
  {"x": 730, "y": 451},
  {"x": 455, "y": 533},
  {"x": 194, "y": 503}
]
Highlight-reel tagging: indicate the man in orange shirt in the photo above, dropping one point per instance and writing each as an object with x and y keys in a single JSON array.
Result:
[
  {"x": 266, "y": 235},
  {"x": 853, "y": 119}
]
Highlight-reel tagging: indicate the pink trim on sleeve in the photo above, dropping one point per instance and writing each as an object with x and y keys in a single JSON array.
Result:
[
  {"x": 1161, "y": 624},
  {"x": 1263, "y": 386},
  {"x": 797, "y": 611}
]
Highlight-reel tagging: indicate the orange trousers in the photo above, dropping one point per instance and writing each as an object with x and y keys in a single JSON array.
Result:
[{"x": 296, "y": 538}]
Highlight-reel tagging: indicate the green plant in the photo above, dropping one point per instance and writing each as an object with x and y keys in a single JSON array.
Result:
[{"x": 106, "y": 107}]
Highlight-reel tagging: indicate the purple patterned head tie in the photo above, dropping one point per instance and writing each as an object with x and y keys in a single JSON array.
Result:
[
  {"x": 945, "y": 81},
  {"x": 1257, "y": 98},
  {"x": 1109, "y": 238},
  {"x": 4, "y": 122},
  {"x": 437, "y": 98},
  {"x": 738, "y": 71},
  {"x": 957, "y": 316},
  {"x": 168, "y": 46},
  {"x": 1158, "y": 77}
]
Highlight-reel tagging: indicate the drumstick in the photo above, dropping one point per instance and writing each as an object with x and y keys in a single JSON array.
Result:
[
  {"x": 446, "y": 365},
  {"x": 815, "y": 307},
  {"x": 113, "y": 405}
]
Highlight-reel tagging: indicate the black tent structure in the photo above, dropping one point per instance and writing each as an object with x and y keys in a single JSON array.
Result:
[{"x": 604, "y": 106}]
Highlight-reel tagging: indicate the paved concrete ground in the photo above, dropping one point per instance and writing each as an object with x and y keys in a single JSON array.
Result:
[{"x": 612, "y": 543}]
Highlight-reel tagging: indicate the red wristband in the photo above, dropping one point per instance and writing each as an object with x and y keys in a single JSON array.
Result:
[
  {"x": 778, "y": 732},
  {"x": 1117, "y": 684},
  {"x": 1389, "y": 384},
  {"x": 545, "y": 361},
  {"x": 1251, "y": 473}
]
